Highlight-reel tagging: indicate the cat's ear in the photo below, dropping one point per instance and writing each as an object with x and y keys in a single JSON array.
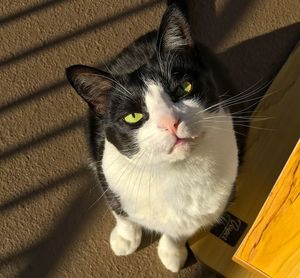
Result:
[
  {"x": 92, "y": 85},
  {"x": 174, "y": 31}
]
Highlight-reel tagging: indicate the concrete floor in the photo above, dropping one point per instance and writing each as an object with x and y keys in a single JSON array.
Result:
[{"x": 52, "y": 222}]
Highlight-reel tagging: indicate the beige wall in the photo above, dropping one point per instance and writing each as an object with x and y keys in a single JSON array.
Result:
[{"x": 48, "y": 223}]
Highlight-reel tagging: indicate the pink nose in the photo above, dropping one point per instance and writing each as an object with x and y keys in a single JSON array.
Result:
[{"x": 169, "y": 123}]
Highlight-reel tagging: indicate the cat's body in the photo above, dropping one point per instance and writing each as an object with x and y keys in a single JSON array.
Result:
[
  {"x": 164, "y": 148},
  {"x": 179, "y": 198}
]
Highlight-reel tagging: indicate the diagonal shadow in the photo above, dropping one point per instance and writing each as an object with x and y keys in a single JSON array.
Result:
[
  {"x": 42, "y": 138},
  {"x": 50, "y": 250},
  {"x": 67, "y": 37},
  {"x": 35, "y": 95},
  {"x": 30, "y": 10},
  {"x": 46, "y": 187},
  {"x": 31, "y": 96},
  {"x": 45, "y": 254}
]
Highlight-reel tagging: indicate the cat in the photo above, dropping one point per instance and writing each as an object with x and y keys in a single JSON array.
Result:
[{"x": 163, "y": 142}]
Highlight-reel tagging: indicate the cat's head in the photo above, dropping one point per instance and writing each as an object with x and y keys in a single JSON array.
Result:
[{"x": 154, "y": 113}]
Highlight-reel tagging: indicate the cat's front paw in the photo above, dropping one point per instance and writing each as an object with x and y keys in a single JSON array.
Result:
[
  {"x": 124, "y": 244},
  {"x": 172, "y": 257}
]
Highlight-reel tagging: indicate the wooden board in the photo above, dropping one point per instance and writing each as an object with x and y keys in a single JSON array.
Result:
[
  {"x": 268, "y": 147},
  {"x": 272, "y": 246}
]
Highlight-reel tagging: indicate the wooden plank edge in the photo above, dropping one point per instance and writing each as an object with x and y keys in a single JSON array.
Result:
[{"x": 236, "y": 257}]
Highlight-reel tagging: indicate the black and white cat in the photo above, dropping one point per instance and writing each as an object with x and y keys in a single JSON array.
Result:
[{"x": 164, "y": 147}]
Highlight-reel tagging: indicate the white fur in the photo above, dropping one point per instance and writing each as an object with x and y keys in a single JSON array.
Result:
[
  {"x": 126, "y": 236},
  {"x": 178, "y": 193},
  {"x": 171, "y": 253}
]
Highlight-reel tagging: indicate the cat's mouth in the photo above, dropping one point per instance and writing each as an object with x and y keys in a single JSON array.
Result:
[{"x": 181, "y": 143}]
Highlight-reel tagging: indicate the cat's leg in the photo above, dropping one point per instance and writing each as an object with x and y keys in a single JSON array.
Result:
[
  {"x": 172, "y": 253},
  {"x": 126, "y": 236}
]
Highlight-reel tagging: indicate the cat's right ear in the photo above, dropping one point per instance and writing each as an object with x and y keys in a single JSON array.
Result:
[{"x": 92, "y": 85}]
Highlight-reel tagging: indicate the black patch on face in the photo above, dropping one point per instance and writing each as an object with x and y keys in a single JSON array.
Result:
[{"x": 125, "y": 99}]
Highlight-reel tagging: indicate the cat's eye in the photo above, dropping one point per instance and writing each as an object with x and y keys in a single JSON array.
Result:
[
  {"x": 187, "y": 87},
  {"x": 183, "y": 89},
  {"x": 133, "y": 118}
]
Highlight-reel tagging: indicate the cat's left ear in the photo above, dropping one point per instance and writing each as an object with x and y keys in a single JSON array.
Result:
[
  {"x": 174, "y": 31},
  {"x": 92, "y": 85}
]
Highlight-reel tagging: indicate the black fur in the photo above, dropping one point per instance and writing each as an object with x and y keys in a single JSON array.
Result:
[{"x": 96, "y": 139}]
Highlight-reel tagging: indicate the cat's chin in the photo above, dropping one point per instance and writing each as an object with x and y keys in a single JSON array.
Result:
[{"x": 179, "y": 153}]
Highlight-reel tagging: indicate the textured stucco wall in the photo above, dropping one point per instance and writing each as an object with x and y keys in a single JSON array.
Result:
[{"x": 49, "y": 221}]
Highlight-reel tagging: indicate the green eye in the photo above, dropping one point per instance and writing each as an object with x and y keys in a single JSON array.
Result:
[
  {"x": 133, "y": 118},
  {"x": 187, "y": 87},
  {"x": 184, "y": 89}
]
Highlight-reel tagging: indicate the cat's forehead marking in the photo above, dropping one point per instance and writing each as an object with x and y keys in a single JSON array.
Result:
[
  {"x": 157, "y": 101},
  {"x": 155, "y": 94},
  {"x": 154, "y": 88}
]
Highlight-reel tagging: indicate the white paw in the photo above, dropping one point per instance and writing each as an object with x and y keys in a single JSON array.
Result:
[
  {"x": 123, "y": 245},
  {"x": 172, "y": 258}
]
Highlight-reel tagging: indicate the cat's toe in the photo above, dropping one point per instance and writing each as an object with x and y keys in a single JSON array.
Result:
[
  {"x": 172, "y": 259},
  {"x": 122, "y": 246}
]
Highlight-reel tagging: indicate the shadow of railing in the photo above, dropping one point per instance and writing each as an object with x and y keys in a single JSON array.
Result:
[
  {"x": 67, "y": 37},
  {"x": 32, "y": 96},
  {"x": 61, "y": 39},
  {"x": 42, "y": 138},
  {"x": 29, "y": 11},
  {"x": 36, "y": 95},
  {"x": 46, "y": 187},
  {"x": 45, "y": 253}
]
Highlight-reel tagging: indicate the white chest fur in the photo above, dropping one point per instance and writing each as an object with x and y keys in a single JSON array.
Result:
[{"x": 179, "y": 198}]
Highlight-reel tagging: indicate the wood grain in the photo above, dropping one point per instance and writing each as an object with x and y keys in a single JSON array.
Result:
[
  {"x": 269, "y": 145},
  {"x": 272, "y": 245}
]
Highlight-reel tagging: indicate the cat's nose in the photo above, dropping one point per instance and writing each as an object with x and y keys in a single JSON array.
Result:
[{"x": 169, "y": 123}]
